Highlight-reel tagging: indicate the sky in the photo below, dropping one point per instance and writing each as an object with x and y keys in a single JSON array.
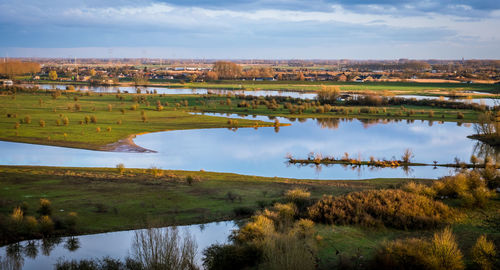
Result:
[{"x": 242, "y": 29}]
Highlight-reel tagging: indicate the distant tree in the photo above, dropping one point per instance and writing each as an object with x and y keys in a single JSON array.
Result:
[
  {"x": 300, "y": 76},
  {"x": 52, "y": 75},
  {"x": 328, "y": 94},
  {"x": 227, "y": 70}
]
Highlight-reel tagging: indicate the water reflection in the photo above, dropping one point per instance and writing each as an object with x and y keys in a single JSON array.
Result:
[
  {"x": 281, "y": 93},
  {"x": 44, "y": 253},
  {"x": 484, "y": 151}
]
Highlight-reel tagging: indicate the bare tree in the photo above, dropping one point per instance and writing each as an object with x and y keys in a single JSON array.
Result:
[{"x": 164, "y": 248}]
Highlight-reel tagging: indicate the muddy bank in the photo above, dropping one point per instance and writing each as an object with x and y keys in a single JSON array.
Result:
[{"x": 126, "y": 145}]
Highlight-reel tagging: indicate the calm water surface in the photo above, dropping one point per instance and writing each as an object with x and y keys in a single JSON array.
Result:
[
  {"x": 38, "y": 254},
  {"x": 262, "y": 152},
  {"x": 165, "y": 90}
]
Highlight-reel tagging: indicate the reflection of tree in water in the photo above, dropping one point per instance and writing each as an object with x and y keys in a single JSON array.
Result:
[
  {"x": 9, "y": 263},
  {"x": 72, "y": 244},
  {"x": 14, "y": 259},
  {"x": 484, "y": 150},
  {"x": 330, "y": 123},
  {"x": 48, "y": 244},
  {"x": 164, "y": 248},
  {"x": 408, "y": 170},
  {"x": 31, "y": 249}
]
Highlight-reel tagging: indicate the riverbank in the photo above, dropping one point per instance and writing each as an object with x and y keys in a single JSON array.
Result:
[{"x": 109, "y": 199}]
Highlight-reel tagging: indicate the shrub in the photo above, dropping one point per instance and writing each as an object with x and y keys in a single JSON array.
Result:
[
  {"x": 110, "y": 108},
  {"x": 17, "y": 215},
  {"x": 46, "y": 225},
  {"x": 108, "y": 129},
  {"x": 98, "y": 129},
  {"x": 93, "y": 119},
  {"x": 45, "y": 208},
  {"x": 42, "y": 123},
  {"x": 300, "y": 197},
  {"x": 27, "y": 119},
  {"x": 431, "y": 113},
  {"x": 439, "y": 253},
  {"x": 222, "y": 257},
  {"x": 420, "y": 189},
  {"x": 283, "y": 251},
  {"x": 468, "y": 186},
  {"x": 483, "y": 253},
  {"x": 392, "y": 208},
  {"x": 120, "y": 168},
  {"x": 65, "y": 121},
  {"x": 86, "y": 119},
  {"x": 156, "y": 172}
]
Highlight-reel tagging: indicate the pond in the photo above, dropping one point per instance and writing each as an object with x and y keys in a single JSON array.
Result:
[
  {"x": 177, "y": 91},
  {"x": 262, "y": 152},
  {"x": 43, "y": 254}
]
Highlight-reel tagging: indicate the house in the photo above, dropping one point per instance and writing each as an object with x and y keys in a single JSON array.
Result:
[{"x": 341, "y": 77}]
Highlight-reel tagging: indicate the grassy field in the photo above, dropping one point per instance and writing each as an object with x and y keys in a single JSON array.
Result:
[
  {"x": 68, "y": 119},
  {"x": 42, "y": 107},
  {"x": 106, "y": 200}
]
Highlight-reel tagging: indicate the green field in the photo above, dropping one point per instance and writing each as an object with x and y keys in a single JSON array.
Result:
[{"x": 137, "y": 196}]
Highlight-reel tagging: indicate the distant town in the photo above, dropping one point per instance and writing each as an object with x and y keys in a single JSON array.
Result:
[{"x": 140, "y": 71}]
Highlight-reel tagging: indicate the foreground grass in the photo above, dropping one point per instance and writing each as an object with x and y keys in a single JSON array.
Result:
[{"x": 106, "y": 200}]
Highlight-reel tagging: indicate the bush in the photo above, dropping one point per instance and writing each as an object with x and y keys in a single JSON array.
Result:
[
  {"x": 46, "y": 225},
  {"x": 468, "y": 186},
  {"x": 283, "y": 251},
  {"x": 439, "y": 253},
  {"x": 27, "y": 119},
  {"x": 222, "y": 257},
  {"x": 120, "y": 168},
  {"x": 392, "y": 208},
  {"x": 300, "y": 197},
  {"x": 420, "y": 189},
  {"x": 42, "y": 123},
  {"x": 45, "y": 208},
  {"x": 93, "y": 119},
  {"x": 483, "y": 253}
]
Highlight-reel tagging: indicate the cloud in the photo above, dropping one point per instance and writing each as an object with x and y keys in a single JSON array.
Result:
[{"x": 289, "y": 25}]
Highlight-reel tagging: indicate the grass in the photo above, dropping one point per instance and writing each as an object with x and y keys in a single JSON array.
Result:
[
  {"x": 41, "y": 106},
  {"x": 136, "y": 196}
]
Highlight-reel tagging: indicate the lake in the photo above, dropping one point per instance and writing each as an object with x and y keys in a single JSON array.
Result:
[
  {"x": 262, "y": 151},
  {"x": 43, "y": 254}
]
